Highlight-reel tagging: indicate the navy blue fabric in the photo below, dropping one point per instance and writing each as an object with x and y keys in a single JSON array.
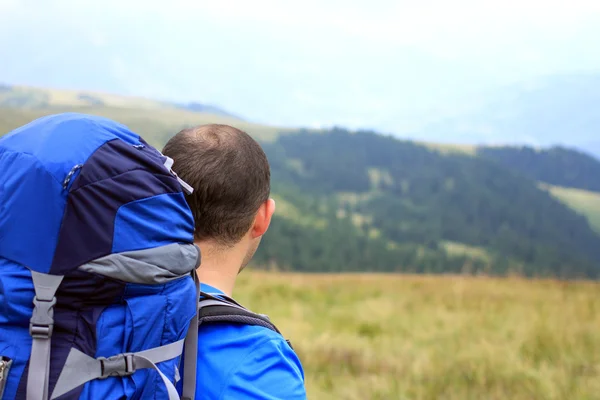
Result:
[
  {"x": 115, "y": 175},
  {"x": 117, "y": 157}
]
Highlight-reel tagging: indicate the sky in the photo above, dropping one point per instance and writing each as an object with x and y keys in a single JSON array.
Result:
[{"x": 361, "y": 64}]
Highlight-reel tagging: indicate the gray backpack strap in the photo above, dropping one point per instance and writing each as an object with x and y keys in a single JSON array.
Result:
[
  {"x": 191, "y": 352},
  {"x": 41, "y": 326},
  {"x": 81, "y": 368}
]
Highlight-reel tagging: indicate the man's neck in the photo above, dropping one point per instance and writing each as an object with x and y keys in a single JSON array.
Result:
[{"x": 219, "y": 266}]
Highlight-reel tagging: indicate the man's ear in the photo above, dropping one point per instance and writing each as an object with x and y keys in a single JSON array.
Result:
[{"x": 263, "y": 219}]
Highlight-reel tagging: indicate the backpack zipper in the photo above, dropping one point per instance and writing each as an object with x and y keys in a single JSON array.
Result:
[{"x": 5, "y": 364}]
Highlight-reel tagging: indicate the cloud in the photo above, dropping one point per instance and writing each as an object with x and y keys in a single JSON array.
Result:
[
  {"x": 426, "y": 23},
  {"x": 355, "y": 62}
]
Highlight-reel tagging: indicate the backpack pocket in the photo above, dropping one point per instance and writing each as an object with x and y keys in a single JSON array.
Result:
[{"x": 5, "y": 364}]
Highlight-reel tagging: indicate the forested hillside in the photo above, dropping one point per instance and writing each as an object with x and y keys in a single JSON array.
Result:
[
  {"x": 558, "y": 166},
  {"x": 362, "y": 201},
  {"x": 367, "y": 202}
]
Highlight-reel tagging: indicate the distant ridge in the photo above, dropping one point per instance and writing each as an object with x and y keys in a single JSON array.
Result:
[
  {"x": 46, "y": 98},
  {"x": 207, "y": 108},
  {"x": 156, "y": 120}
]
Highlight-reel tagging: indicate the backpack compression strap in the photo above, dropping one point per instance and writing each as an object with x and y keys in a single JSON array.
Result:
[
  {"x": 81, "y": 368},
  {"x": 214, "y": 309}
]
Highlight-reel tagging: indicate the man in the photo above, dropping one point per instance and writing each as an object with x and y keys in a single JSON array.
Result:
[{"x": 230, "y": 175}]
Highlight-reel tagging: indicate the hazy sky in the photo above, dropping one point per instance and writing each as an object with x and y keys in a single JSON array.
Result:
[{"x": 356, "y": 63}]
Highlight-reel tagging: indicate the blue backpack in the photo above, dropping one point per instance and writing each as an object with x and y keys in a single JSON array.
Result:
[{"x": 98, "y": 291}]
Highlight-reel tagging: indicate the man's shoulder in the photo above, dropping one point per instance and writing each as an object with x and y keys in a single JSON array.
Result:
[
  {"x": 225, "y": 342},
  {"x": 243, "y": 361}
]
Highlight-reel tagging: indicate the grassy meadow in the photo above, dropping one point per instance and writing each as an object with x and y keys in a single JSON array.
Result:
[{"x": 435, "y": 337}]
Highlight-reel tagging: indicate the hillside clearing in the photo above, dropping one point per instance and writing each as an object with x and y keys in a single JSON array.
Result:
[
  {"x": 454, "y": 248},
  {"x": 450, "y": 148},
  {"x": 583, "y": 201}
]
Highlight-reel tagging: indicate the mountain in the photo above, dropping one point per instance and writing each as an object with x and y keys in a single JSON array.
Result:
[
  {"x": 356, "y": 201},
  {"x": 363, "y": 201},
  {"x": 559, "y": 109}
]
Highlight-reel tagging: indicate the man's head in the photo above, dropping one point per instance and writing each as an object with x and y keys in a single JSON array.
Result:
[{"x": 230, "y": 175}]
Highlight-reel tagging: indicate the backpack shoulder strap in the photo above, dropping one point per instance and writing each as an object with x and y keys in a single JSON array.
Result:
[
  {"x": 222, "y": 309},
  {"x": 41, "y": 327}
]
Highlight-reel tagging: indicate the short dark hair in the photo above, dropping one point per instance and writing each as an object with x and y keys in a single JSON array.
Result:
[{"x": 230, "y": 174}]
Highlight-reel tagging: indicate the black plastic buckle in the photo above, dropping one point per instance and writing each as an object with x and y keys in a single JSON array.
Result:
[
  {"x": 119, "y": 365},
  {"x": 41, "y": 323}
]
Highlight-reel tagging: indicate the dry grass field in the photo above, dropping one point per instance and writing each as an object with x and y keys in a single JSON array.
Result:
[{"x": 435, "y": 337}]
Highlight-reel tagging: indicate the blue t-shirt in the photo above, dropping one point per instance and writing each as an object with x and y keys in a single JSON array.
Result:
[{"x": 245, "y": 362}]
